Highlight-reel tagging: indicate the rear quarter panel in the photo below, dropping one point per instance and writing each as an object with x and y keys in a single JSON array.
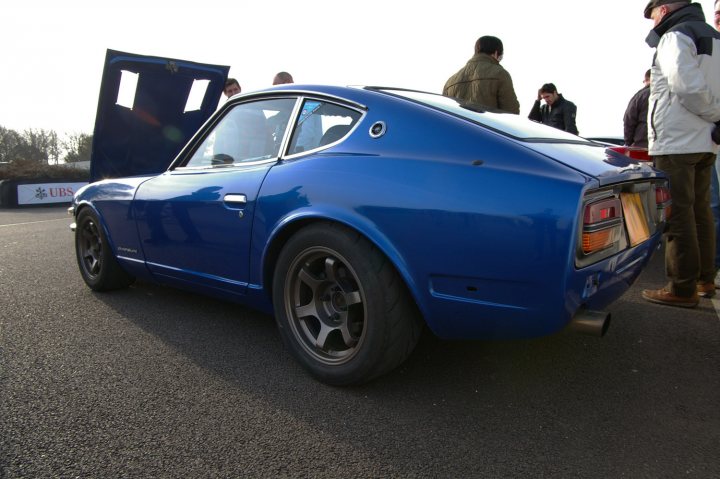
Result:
[{"x": 481, "y": 228}]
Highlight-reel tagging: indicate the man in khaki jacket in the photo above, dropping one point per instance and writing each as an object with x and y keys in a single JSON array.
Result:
[{"x": 483, "y": 81}]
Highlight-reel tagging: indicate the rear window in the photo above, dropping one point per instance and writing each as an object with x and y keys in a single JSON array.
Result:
[
  {"x": 321, "y": 123},
  {"x": 507, "y": 123}
]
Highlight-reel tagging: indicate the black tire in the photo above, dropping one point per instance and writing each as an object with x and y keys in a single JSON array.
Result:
[
  {"x": 342, "y": 309},
  {"x": 98, "y": 266}
]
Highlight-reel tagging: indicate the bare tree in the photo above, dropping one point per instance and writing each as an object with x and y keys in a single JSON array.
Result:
[
  {"x": 40, "y": 146},
  {"x": 78, "y": 147},
  {"x": 10, "y": 141},
  {"x": 43, "y": 146}
]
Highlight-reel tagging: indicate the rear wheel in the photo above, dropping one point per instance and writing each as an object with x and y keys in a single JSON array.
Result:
[
  {"x": 341, "y": 307},
  {"x": 98, "y": 266}
]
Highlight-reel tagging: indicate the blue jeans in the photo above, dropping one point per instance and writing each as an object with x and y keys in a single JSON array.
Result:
[{"x": 715, "y": 206}]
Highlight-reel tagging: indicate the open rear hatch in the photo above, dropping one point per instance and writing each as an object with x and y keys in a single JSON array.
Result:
[{"x": 149, "y": 107}]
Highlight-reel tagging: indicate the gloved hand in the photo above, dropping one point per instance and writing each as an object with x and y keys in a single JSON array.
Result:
[{"x": 716, "y": 133}]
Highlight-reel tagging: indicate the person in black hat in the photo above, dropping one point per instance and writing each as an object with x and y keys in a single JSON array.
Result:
[
  {"x": 656, "y": 3},
  {"x": 715, "y": 185},
  {"x": 684, "y": 107}
]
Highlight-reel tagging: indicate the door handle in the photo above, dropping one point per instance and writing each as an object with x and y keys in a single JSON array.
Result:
[{"x": 235, "y": 199}]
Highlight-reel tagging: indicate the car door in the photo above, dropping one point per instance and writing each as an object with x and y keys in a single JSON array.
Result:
[{"x": 195, "y": 220}]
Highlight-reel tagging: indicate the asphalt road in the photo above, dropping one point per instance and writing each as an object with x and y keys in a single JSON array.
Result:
[{"x": 154, "y": 382}]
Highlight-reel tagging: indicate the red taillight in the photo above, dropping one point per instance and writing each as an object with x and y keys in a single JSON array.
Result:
[
  {"x": 602, "y": 225},
  {"x": 602, "y": 210},
  {"x": 640, "y": 154},
  {"x": 664, "y": 203},
  {"x": 662, "y": 195}
]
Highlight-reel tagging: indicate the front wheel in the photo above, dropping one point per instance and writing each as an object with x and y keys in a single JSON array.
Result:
[
  {"x": 98, "y": 266},
  {"x": 342, "y": 309}
]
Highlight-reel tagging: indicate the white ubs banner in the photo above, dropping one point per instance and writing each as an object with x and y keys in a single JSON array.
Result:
[{"x": 41, "y": 193}]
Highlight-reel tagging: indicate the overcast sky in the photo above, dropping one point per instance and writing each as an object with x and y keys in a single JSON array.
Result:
[{"x": 52, "y": 52}]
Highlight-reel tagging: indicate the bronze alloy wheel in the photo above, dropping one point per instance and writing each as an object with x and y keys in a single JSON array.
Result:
[
  {"x": 325, "y": 305},
  {"x": 90, "y": 248},
  {"x": 341, "y": 307},
  {"x": 99, "y": 267}
]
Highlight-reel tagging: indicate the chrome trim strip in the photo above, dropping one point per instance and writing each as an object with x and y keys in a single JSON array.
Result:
[
  {"x": 290, "y": 127},
  {"x": 293, "y": 92},
  {"x": 211, "y": 168}
]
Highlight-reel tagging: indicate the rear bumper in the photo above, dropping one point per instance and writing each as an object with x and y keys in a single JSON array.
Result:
[
  {"x": 599, "y": 285},
  {"x": 71, "y": 212}
]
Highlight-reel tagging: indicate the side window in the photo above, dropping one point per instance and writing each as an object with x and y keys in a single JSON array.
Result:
[
  {"x": 321, "y": 123},
  {"x": 249, "y": 132}
]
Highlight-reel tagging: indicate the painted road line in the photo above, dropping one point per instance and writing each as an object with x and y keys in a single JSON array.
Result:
[
  {"x": 716, "y": 304},
  {"x": 34, "y": 222}
]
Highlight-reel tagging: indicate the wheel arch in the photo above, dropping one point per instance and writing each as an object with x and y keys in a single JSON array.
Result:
[
  {"x": 106, "y": 273},
  {"x": 82, "y": 206},
  {"x": 85, "y": 205},
  {"x": 286, "y": 229}
]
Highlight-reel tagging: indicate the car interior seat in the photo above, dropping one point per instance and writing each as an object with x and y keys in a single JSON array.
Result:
[{"x": 334, "y": 133}]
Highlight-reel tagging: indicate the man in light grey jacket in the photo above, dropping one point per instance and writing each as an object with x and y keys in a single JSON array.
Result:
[
  {"x": 715, "y": 190},
  {"x": 684, "y": 106}
]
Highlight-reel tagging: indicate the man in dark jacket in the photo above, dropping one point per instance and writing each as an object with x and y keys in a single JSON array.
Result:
[
  {"x": 556, "y": 112},
  {"x": 483, "y": 81},
  {"x": 635, "y": 119}
]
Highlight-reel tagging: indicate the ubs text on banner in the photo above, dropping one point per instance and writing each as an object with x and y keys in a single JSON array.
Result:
[{"x": 41, "y": 193}]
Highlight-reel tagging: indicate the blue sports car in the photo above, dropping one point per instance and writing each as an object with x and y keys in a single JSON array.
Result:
[{"x": 358, "y": 216}]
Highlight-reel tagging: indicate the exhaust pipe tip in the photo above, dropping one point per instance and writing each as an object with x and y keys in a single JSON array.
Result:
[{"x": 593, "y": 323}]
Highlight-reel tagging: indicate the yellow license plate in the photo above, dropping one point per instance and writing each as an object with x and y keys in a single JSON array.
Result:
[{"x": 635, "y": 218}]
